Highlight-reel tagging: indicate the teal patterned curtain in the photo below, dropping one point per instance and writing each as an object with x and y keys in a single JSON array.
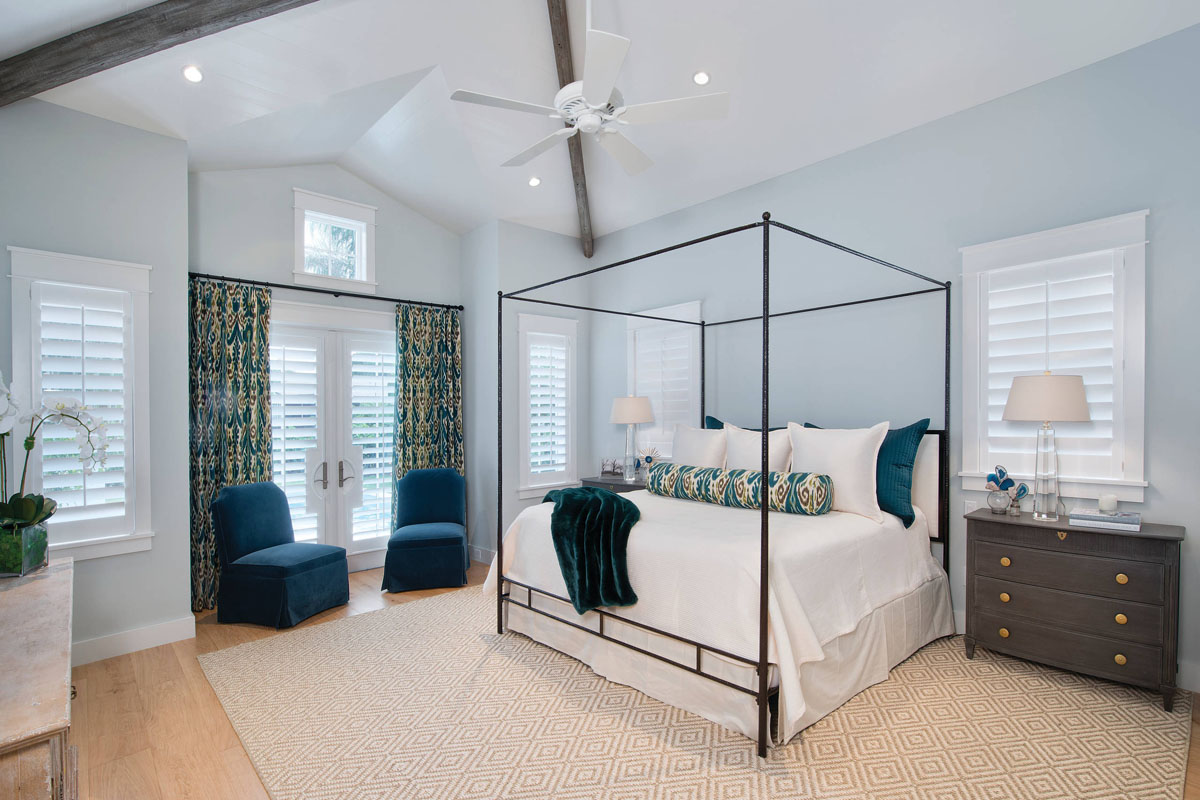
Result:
[
  {"x": 429, "y": 428},
  {"x": 229, "y": 408}
]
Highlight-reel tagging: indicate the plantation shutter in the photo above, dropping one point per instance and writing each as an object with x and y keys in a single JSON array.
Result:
[
  {"x": 295, "y": 424},
  {"x": 1070, "y": 306},
  {"x": 549, "y": 378},
  {"x": 372, "y": 428},
  {"x": 663, "y": 361},
  {"x": 82, "y": 352}
]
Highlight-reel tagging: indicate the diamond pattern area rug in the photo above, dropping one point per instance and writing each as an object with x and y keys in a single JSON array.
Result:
[{"x": 425, "y": 700}]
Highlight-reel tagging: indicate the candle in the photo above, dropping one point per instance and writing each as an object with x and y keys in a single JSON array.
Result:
[{"x": 1108, "y": 504}]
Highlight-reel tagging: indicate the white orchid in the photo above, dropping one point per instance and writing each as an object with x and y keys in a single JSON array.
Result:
[
  {"x": 9, "y": 409},
  {"x": 91, "y": 433}
]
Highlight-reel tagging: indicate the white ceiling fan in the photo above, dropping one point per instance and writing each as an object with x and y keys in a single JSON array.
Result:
[{"x": 594, "y": 105}]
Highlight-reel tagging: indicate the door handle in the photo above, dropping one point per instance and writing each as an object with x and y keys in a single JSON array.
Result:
[
  {"x": 324, "y": 479},
  {"x": 342, "y": 476}
]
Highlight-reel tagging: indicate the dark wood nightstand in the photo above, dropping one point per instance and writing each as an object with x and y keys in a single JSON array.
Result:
[
  {"x": 617, "y": 483},
  {"x": 1099, "y": 602}
]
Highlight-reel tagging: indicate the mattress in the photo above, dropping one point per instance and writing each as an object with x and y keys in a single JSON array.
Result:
[{"x": 695, "y": 568}]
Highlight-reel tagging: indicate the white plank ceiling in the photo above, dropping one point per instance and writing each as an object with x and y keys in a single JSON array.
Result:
[{"x": 366, "y": 84}]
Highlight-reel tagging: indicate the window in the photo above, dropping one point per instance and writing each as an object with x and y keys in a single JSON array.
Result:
[
  {"x": 335, "y": 242},
  {"x": 547, "y": 416},
  {"x": 1069, "y": 300},
  {"x": 75, "y": 336},
  {"x": 333, "y": 408},
  {"x": 372, "y": 430},
  {"x": 296, "y": 407},
  {"x": 664, "y": 365}
]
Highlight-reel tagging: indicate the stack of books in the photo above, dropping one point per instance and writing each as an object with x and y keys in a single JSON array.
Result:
[{"x": 1092, "y": 517}]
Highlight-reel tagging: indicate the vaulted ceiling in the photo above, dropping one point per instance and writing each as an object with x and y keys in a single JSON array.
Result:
[{"x": 366, "y": 84}]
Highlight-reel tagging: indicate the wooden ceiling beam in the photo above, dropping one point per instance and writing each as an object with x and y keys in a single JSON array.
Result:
[
  {"x": 566, "y": 74},
  {"x": 126, "y": 39}
]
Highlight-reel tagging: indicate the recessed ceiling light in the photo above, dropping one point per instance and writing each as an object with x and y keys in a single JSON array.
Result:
[
  {"x": 192, "y": 73},
  {"x": 535, "y": 181},
  {"x": 700, "y": 78}
]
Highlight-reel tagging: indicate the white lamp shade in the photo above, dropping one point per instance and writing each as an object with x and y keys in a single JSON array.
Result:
[
  {"x": 631, "y": 411},
  {"x": 1047, "y": 398}
]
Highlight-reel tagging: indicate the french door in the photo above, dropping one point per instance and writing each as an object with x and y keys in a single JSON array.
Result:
[{"x": 333, "y": 400}]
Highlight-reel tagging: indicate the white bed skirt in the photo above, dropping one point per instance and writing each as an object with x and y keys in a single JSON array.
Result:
[{"x": 851, "y": 663}]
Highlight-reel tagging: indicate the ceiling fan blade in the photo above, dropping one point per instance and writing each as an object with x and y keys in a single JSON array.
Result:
[
  {"x": 463, "y": 96},
  {"x": 531, "y": 153},
  {"x": 627, "y": 154},
  {"x": 602, "y": 60},
  {"x": 684, "y": 109}
]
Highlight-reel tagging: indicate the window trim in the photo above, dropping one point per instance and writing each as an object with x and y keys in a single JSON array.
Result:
[
  {"x": 1125, "y": 233},
  {"x": 305, "y": 201},
  {"x": 689, "y": 311},
  {"x": 527, "y": 486},
  {"x": 40, "y": 266}
]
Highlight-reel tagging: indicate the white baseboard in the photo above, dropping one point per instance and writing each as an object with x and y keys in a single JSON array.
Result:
[
  {"x": 960, "y": 622},
  {"x": 372, "y": 559},
  {"x": 482, "y": 554},
  {"x": 118, "y": 644}
]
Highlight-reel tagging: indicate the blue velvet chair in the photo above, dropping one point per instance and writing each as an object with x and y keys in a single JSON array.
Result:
[
  {"x": 267, "y": 577},
  {"x": 429, "y": 548}
]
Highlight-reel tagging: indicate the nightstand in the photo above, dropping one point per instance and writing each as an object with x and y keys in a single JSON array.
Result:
[
  {"x": 616, "y": 483},
  {"x": 1099, "y": 602}
]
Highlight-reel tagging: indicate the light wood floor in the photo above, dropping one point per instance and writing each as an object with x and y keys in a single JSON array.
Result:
[{"x": 149, "y": 727}]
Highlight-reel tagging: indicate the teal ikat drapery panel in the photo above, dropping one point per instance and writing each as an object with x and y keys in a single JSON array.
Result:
[
  {"x": 229, "y": 379},
  {"x": 429, "y": 425}
]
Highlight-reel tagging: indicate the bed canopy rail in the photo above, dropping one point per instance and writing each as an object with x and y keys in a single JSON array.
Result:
[{"x": 763, "y": 693}]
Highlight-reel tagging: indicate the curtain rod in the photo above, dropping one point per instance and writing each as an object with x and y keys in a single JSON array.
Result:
[{"x": 317, "y": 290}]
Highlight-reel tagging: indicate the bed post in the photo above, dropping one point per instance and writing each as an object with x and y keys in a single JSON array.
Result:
[
  {"x": 764, "y": 550},
  {"x": 702, "y": 369},
  {"x": 499, "y": 462},
  {"x": 944, "y": 455}
]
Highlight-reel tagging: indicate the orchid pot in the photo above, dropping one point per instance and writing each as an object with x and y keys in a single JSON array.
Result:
[{"x": 23, "y": 550}]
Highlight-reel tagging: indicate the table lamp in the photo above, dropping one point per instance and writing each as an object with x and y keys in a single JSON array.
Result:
[
  {"x": 630, "y": 411},
  {"x": 1046, "y": 398}
]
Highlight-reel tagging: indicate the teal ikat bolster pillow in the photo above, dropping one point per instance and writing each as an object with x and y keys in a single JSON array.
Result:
[{"x": 790, "y": 492}]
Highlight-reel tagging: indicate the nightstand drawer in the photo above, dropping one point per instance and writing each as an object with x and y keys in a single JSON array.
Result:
[
  {"x": 1139, "y": 581},
  {"x": 1118, "y": 619},
  {"x": 1096, "y": 655}
]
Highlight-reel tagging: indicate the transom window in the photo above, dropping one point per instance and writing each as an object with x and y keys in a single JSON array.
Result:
[
  {"x": 335, "y": 242},
  {"x": 333, "y": 246}
]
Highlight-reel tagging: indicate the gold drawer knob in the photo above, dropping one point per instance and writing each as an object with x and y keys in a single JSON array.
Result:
[
  {"x": 1004, "y": 635},
  {"x": 1120, "y": 659},
  {"x": 1004, "y": 598},
  {"x": 1005, "y": 561},
  {"x": 1121, "y": 619},
  {"x": 1122, "y": 578}
]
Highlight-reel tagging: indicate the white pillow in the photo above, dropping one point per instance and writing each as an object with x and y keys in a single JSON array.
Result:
[
  {"x": 743, "y": 449},
  {"x": 697, "y": 447},
  {"x": 848, "y": 457}
]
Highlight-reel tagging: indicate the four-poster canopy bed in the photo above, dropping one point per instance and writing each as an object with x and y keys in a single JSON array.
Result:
[{"x": 719, "y": 665}]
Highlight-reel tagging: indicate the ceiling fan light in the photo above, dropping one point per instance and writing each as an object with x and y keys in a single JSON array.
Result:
[
  {"x": 535, "y": 181},
  {"x": 192, "y": 73},
  {"x": 701, "y": 78}
]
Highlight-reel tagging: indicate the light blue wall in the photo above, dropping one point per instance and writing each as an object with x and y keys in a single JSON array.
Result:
[
  {"x": 242, "y": 225},
  {"x": 74, "y": 183},
  {"x": 506, "y": 256},
  {"x": 1118, "y": 136}
]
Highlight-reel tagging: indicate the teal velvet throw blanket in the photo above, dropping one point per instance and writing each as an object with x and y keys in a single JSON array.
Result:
[{"x": 590, "y": 528}]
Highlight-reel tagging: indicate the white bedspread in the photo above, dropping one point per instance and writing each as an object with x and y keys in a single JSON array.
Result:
[{"x": 695, "y": 569}]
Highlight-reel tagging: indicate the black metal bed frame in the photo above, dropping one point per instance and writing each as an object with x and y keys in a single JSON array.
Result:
[{"x": 763, "y": 694}]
